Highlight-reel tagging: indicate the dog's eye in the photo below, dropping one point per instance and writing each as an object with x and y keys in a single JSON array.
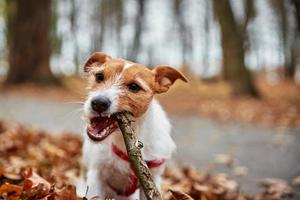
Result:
[
  {"x": 99, "y": 77},
  {"x": 134, "y": 87}
]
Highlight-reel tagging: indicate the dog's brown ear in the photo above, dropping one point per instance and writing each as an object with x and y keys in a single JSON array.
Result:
[
  {"x": 98, "y": 57},
  {"x": 165, "y": 76}
]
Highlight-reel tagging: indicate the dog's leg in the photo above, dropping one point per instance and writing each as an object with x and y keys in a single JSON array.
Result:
[
  {"x": 81, "y": 183},
  {"x": 81, "y": 187},
  {"x": 94, "y": 184}
]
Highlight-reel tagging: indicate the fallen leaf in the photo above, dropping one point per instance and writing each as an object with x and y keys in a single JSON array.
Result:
[
  {"x": 224, "y": 159},
  {"x": 276, "y": 188},
  {"x": 296, "y": 181},
  {"x": 66, "y": 193},
  {"x": 240, "y": 170},
  {"x": 34, "y": 185},
  {"x": 178, "y": 195},
  {"x": 8, "y": 188}
]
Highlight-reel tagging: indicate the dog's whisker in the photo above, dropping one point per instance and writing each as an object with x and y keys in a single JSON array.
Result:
[
  {"x": 86, "y": 192},
  {"x": 73, "y": 112},
  {"x": 75, "y": 102}
]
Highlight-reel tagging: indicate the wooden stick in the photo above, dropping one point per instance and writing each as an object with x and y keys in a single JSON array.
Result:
[{"x": 133, "y": 146}]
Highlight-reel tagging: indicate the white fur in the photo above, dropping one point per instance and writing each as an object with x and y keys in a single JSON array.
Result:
[
  {"x": 111, "y": 90},
  {"x": 153, "y": 130}
]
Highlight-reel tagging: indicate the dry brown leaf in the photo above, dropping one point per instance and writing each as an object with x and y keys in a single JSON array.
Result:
[
  {"x": 296, "y": 181},
  {"x": 10, "y": 189},
  {"x": 276, "y": 188},
  {"x": 12, "y": 176},
  {"x": 66, "y": 193},
  {"x": 240, "y": 170},
  {"x": 178, "y": 195},
  {"x": 35, "y": 186}
]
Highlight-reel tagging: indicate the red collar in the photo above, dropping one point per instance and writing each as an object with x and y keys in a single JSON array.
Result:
[{"x": 134, "y": 183}]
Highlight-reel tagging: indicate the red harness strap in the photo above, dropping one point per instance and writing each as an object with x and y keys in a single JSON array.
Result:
[{"x": 134, "y": 183}]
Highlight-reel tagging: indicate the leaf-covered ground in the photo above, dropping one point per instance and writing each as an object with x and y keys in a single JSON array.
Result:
[{"x": 35, "y": 165}]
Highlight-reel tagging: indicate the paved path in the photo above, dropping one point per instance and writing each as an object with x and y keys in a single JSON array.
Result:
[{"x": 264, "y": 152}]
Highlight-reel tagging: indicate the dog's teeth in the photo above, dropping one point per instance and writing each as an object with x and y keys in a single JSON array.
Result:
[{"x": 108, "y": 115}]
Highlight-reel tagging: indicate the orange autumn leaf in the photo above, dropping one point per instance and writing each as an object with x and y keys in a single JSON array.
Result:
[
  {"x": 10, "y": 190},
  {"x": 51, "y": 175},
  {"x": 35, "y": 186},
  {"x": 66, "y": 193},
  {"x": 178, "y": 195}
]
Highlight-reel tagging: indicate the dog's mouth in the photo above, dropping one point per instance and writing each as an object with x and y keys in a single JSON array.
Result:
[{"x": 101, "y": 127}]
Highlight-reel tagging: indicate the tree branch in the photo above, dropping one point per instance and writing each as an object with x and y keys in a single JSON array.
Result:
[{"x": 133, "y": 146}]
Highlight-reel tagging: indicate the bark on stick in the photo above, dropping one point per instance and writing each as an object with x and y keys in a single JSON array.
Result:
[{"x": 133, "y": 146}]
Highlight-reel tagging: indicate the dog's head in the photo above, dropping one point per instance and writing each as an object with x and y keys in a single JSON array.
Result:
[{"x": 117, "y": 85}]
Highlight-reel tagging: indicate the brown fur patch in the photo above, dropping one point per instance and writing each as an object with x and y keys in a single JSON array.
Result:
[
  {"x": 165, "y": 76},
  {"x": 137, "y": 102},
  {"x": 109, "y": 69}
]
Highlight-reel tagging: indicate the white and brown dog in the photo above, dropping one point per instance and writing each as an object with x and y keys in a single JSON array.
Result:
[{"x": 119, "y": 85}]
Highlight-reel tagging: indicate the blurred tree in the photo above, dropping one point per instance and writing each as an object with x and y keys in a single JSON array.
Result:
[
  {"x": 139, "y": 20},
  {"x": 119, "y": 6},
  {"x": 28, "y": 40},
  {"x": 108, "y": 19},
  {"x": 101, "y": 13},
  {"x": 279, "y": 8},
  {"x": 73, "y": 20},
  {"x": 296, "y": 43},
  {"x": 206, "y": 32},
  {"x": 56, "y": 38},
  {"x": 183, "y": 30},
  {"x": 250, "y": 13},
  {"x": 234, "y": 69}
]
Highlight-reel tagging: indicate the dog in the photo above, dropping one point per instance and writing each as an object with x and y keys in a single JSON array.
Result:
[{"x": 116, "y": 85}]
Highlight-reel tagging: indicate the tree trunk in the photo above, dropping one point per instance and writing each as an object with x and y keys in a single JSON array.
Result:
[
  {"x": 295, "y": 50},
  {"x": 281, "y": 13},
  {"x": 234, "y": 69},
  {"x": 139, "y": 20},
  {"x": 183, "y": 31},
  {"x": 29, "y": 45}
]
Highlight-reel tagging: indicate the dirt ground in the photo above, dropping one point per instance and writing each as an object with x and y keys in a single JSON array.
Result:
[{"x": 278, "y": 106}]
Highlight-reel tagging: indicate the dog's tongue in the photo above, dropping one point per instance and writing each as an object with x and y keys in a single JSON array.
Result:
[
  {"x": 101, "y": 127},
  {"x": 100, "y": 123}
]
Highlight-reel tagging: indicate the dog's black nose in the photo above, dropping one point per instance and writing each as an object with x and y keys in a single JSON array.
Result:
[{"x": 100, "y": 104}]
